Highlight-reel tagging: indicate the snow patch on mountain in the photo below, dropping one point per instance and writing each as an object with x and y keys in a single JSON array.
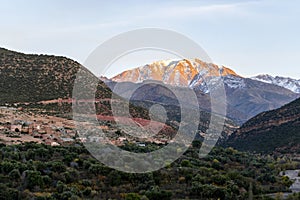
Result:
[
  {"x": 234, "y": 82},
  {"x": 288, "y": 83},
  {"x": 229, "y": 81}
]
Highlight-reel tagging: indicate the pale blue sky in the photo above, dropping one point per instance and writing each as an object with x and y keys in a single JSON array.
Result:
[{"x": 251, "y": 37}]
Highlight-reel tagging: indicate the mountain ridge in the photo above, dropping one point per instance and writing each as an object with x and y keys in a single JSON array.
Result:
[
  {"x": 194, "y": 73},
  {"x": 286, "y": 82},
  {"x": 272, "y": 131},
  {"x": 174, "y": 72},
  {"x": 34, "y": 78}
]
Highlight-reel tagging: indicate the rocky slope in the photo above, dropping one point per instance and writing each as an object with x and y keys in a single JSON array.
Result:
[{"x": 273, "y": 131}]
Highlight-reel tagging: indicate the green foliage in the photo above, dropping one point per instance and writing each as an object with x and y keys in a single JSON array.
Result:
[
  {"x": 132, "y": 196},
  {"x": 6, "y": 166},
  {"x": 186, "y": 163},
  {"x": 33, "y": 178},
  {"x": 46, "y": 173},
  {"x": 8, "y": 193},
  {"x": 14, "y": 174},
  {"x": 57, "y": 166},
  {"x": 156, "y": 194}
]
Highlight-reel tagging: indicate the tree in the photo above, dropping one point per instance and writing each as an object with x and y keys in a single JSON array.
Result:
[
  {"x": 14, "y": 174},
  {"x": 186, "y": 163},
  {"x": 32, "y": 179},
  {"x": 58, "y": 166},
  {"x": 6, "y": 167}
]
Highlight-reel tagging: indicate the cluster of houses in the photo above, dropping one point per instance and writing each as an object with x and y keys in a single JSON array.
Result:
[
  {"x": 43, "y": 130},
  {"x": 53, "y": 133}
]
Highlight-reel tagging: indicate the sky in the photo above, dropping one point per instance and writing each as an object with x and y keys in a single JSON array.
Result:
[{"x": 251, "y": 37}]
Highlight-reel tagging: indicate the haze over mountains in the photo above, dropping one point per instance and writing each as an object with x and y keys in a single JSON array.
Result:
[{"x": 246, "y": 97}]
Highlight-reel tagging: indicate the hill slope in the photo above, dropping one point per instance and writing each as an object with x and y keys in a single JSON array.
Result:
[
  {"x": 33, "y": 78},
  {"x": 273, "y": 131}
]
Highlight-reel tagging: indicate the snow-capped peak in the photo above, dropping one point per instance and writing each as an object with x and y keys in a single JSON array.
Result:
[
  {"x": 266, "y": 78},
  {"x": 184, "y": 73},
  {"x": 288, "y": 83}
]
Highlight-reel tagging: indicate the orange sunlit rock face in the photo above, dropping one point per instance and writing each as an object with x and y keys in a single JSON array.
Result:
[{"x": 174, "y": 72}]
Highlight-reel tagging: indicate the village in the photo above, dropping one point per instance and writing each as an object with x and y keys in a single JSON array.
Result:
[{"x": 17, "y": 127}]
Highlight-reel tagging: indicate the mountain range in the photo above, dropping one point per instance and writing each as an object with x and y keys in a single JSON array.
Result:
[
  {"x": 286, "y": 82},
  {"x": 192, "y": 72},
  {"x": 246, "y": 97}
]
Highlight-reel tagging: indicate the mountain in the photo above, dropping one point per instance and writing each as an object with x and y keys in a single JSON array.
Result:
[
  {"x": 272, "y": 131},
  {"x": 174, "y": 72},
  {"x": 250, "y": 97},
  {"x": 245, "y": 97},
  {"x": 288, "y": 83}
]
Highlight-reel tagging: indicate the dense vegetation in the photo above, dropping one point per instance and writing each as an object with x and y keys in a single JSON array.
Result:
[{"x": 35, "y": 171}]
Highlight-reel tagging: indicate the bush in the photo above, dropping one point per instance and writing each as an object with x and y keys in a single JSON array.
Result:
[
  {"x": 14, "y": 174},
  {"x": 157, "y": 194},
  {"x": 186, "y": 163},
  {"x": 132, "y": 196},
  {"x": 33, "y": 178}
]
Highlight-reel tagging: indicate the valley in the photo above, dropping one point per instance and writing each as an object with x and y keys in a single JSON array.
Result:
[{"x": 43, "y": 153}]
